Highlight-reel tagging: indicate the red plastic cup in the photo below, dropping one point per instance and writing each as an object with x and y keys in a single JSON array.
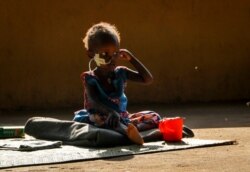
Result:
[{"x": 171, "y": 128}]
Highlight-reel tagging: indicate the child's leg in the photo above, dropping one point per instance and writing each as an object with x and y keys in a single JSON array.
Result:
[
  {"x": 145, "y": 120},
  {"x": 131, "y": 132}
]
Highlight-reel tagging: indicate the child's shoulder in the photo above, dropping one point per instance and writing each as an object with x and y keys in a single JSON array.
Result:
[
  {"x": 119, "y": 68},
  {"x": 121, "y": 71},
  {"x": 87, "y": 75}
]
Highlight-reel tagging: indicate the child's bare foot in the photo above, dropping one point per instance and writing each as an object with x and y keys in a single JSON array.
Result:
[{"x": 134, "y": 135}]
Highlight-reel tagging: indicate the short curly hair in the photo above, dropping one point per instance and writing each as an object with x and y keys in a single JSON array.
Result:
[{"x": 100, "y": 34}]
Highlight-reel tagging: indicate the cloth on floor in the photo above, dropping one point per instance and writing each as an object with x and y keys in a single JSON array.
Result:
[
  {"x": 68, "y": 153},
  {"x": 73, "y": 133},
  {"x": 28, "y": 144},
  {"x": 80, "y": 134}
]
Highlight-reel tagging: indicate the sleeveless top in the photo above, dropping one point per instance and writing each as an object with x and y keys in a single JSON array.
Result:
[{"x": 116, "y": 99}]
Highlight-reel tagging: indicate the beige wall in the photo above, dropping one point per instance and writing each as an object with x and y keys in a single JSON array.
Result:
[{"x": 42, "y": 56}]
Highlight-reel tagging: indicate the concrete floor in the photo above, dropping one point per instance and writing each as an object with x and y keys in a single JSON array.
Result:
[{"x": 230, "y": 121}]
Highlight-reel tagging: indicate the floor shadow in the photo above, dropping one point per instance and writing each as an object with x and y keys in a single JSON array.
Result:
[
  {"x": 120, "y": 158},
  {"x": 179, "y": 143},
  {"x": 126, "y": 152},
  {"x": 206, "y": 115}
]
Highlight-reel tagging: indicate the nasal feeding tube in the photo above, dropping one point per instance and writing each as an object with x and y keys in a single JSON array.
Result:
[{"x": 99, "y": 61}]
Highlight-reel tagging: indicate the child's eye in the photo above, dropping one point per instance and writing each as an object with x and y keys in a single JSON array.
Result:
[
  {"x": 106, "y": 55},
  {"x": 103, "y": 54}
]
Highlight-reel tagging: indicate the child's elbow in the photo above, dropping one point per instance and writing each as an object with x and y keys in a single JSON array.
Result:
[{"x": 148, "y": 80}]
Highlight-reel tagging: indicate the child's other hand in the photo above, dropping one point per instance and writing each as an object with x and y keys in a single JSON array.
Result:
[
  {"x": 125, "y": 54},
  {"x": 113, "y": 120}
]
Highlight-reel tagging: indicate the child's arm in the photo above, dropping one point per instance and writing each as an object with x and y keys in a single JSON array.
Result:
[
  {"x": 142, "y": 74},
  {"x": 101, "y": 104}
]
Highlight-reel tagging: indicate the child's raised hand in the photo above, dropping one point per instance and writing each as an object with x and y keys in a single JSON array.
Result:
[{"x": 125, "y": 54}]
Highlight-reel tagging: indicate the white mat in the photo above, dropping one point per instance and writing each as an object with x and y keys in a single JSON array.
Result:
[{"x": 10, "y": 158}]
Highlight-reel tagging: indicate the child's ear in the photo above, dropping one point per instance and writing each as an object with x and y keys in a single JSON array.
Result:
[{"x": 90, "y": 54}]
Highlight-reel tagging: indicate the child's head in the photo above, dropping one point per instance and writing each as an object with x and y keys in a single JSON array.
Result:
[
  {"x": 102, "y": 41},
  {"x": 99, "y": 35}
]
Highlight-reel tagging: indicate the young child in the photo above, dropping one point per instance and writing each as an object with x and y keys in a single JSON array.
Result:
[{"x": 105, "y": 101}]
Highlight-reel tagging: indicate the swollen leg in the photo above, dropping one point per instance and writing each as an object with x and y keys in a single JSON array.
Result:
[
  {"x": 134, "y": 135},
  {"x": 131, "y": 132}
]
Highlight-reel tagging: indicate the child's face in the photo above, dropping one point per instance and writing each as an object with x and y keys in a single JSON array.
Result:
[{"x": 109, "y": 53}]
